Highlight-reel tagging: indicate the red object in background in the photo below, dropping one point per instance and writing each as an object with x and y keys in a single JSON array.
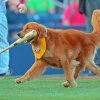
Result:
[
  {"x": 73, "y": 16},
  {"x": 23, "y": 1},
  {"x": 17, "y": 4}
]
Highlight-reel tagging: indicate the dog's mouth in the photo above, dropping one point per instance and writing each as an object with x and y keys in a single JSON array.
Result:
[
  {"x": 29, "y": 38},
  {"x": 29, "y": 41}
]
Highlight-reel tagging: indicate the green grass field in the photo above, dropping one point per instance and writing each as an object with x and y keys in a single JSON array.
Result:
[{"x": 43, "y": 89}]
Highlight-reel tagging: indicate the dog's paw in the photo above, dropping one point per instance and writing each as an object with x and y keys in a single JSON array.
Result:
[
  {"x": 19, "y": 80},
  {"x": 67, "y": 84},
  {"x": 98, "y": 71},
  {"x": 74, "y": 84}
]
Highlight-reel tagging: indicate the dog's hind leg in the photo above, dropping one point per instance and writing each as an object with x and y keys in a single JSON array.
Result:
[
  {"x": 84, "y": 59},
  {"x": 93, "y": 67},
  {"x": 78, "y": 69},
  {"x": 33, "y": 72}
]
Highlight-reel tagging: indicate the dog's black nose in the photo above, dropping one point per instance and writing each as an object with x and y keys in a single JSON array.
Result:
[{"x": 19, "y": 34}]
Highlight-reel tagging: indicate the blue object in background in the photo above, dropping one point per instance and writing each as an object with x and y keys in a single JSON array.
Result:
[{"x": 21, "y": 59}]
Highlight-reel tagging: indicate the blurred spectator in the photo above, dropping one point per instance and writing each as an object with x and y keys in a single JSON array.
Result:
[
  {"x": 87, "y": 7},
  {"x": 59, "y": 6},
  {"x": 61, "y": 1},
  {"x": 40, "y": 6},
  {"x": 71, "y": 15},
  {"x": 15, "y": 19}
]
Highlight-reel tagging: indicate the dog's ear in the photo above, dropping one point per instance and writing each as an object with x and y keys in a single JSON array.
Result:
[{"x": 42, "y": 32}]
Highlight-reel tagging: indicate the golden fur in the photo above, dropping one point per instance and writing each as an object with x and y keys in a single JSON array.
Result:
[{"x": 64, "y": 48}]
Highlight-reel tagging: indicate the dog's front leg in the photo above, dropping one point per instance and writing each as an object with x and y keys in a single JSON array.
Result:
[
  {"x": 36, "y": 69},
  {"x": 69, "y": 76}
]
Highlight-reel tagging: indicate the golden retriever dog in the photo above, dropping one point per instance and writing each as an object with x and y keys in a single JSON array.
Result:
[{"x": 63, "y": 49}]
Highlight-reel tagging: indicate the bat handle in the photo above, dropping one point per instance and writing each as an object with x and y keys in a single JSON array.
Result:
[
  {"x": 3, "y": 50},
  {"x": 19, "y": 41}
]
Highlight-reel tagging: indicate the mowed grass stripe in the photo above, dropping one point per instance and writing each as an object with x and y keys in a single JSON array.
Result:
[{"x": 48, "y": 90}]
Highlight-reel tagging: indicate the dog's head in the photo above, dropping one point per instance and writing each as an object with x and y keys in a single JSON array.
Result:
[
  {"x": 37, "y": 28},
  {"x": 96, "y": 20}
]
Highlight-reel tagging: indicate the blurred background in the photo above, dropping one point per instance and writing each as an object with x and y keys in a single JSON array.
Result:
[
  {"x": 51, "y": 13},
  {"x": 58, "y": 14}
]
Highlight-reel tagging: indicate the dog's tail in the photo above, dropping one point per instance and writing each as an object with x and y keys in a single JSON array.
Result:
[{"x": 96, "y": 27}]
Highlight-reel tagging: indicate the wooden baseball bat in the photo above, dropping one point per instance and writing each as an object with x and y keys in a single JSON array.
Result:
[{"x": 26, "y": 38}]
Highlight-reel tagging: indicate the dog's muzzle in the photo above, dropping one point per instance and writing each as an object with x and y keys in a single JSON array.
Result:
[
  {"x": 29, "y": 37},
  {"x": 20, "y": 35}
]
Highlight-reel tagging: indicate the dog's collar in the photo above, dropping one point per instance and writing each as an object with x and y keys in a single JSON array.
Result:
[{"x": 40, "y": 49}]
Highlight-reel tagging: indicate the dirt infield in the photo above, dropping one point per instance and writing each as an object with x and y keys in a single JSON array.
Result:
[{"x": 59, "y": 77}]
